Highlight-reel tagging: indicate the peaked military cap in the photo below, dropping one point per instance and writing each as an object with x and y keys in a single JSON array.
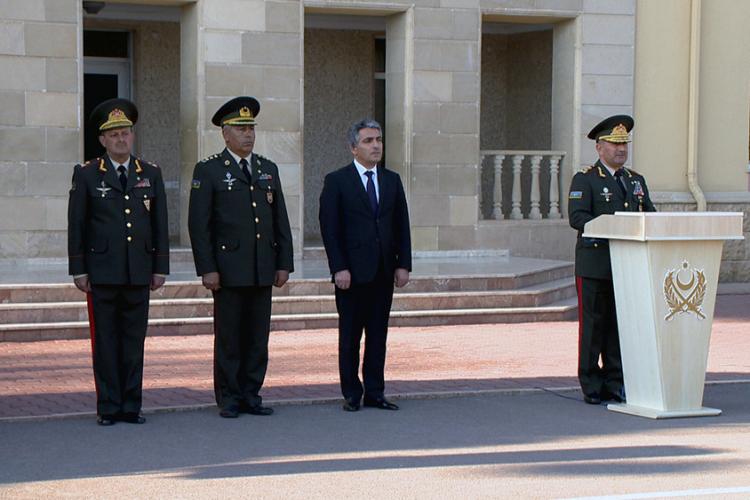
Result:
[
  {"x": 114, "y": 113},
  {"x": 613, "y": 129},
  {"x": 238, "y": 111}
]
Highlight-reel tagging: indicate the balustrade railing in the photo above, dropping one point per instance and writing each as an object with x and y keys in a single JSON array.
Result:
[{"x": 530, "y": 190}]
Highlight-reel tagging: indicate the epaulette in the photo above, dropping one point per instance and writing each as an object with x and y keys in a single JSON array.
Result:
[
  {"x": 90, "y": 162},
  {"x": 585, "y": 170},
  {"x": 632, "y": 172},
  {"x": 204, "y": 160}
]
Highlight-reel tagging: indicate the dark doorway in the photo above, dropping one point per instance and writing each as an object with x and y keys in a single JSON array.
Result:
[{"x": 96, "y": 89}]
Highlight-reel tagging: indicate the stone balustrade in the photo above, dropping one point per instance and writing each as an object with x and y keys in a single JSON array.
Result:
[{"x": 520, "y": 184}]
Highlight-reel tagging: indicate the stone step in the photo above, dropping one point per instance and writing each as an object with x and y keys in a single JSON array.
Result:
[
  {"x": 536, "y": 295},
  {"x": 425, "y": 283},
  {"x": 558, "y": 311}
]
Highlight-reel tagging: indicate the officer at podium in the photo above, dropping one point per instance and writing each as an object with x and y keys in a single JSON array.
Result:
[{"x": 604, "y": 188}]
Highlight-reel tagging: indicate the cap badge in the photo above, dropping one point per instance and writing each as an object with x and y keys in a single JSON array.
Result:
[{"x": 245, "y": 112}]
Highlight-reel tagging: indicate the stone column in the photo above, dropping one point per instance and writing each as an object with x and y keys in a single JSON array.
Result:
[{"x": 40, "y": 125}]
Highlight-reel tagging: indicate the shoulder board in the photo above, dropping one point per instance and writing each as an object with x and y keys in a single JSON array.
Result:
[
  {"x": 147, "y": 162},
  {"x": 90, "y": 162},
  {"x": 207, "y": 158},
  {"x": 632, "y": 172},
  {"x": 585, "y": 170}
]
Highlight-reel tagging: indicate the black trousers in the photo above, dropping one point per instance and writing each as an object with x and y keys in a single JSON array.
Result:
[
  {"x": 598, "y": 338},
  {"x": 118, "y": 318},
  {"x": 364, "y": 307},
  {"x": 242, "y": 321}
]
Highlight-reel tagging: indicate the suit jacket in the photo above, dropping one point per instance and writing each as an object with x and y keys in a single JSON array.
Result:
[
  {"x": 117, "y": 237},
  {"x": 594, "y": 192},
  {"x": 237, "y": 229},
  {"x": 354, "y": 237}
]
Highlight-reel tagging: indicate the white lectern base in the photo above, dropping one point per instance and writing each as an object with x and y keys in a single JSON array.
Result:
[{"x": 640, "y": 411}]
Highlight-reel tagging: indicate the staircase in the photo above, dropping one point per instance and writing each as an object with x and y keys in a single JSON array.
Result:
[{"x": 441, "y": 292}]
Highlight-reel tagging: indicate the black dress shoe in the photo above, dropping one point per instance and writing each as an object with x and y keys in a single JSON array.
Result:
[
  {"x": 229, "y": 412},
  {"x": 132, "y": 418},
  {"x": 257, "y": 410},
  {"x": 593, "y": 398},
  {"x": 619, "y": 396},
  {"x": 381, "y": 403},
  {"x": 350, "y": 404},
  {"x": 105, "y": 420}
]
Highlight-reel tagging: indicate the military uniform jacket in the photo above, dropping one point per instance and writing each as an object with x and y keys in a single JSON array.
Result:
[
  {"x": 116, "y": 237},
  {"x": 594, "y": 192},
  {"x": 237, "y": 229}
]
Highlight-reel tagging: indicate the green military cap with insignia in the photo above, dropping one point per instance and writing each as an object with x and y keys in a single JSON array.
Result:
[
  {"x": 112, "y": 114},
  {"x": 613, "y": 129},
  {"x": 238, "y": 111}
]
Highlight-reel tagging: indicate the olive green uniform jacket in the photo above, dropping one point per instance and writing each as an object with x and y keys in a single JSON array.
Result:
[
  {"x": 594, "y": 192},
  {"x": 237, "y": 229}
]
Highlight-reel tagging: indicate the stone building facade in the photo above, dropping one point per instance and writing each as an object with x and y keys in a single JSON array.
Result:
[{"x": 485, "y": 105}]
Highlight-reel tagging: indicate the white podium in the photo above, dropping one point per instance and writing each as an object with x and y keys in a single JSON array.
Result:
[{"x": 665, "y": 269}]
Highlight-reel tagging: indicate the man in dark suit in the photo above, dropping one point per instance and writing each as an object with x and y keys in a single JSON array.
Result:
[
  {"x": 605, "y": 188},
  {"x": 364, "y": 222},
  {"x": 118, "y": 248},
  {"x": 242, "y": 245}
]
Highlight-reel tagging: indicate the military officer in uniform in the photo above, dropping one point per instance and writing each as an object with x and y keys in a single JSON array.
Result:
[
  {"x": 604, "y": 188},
  {"x": 242, "y": 245},
  {"x": 118, "y": 248}
]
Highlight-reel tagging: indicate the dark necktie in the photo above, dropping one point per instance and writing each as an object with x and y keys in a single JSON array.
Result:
[
  {"x": 621, "y": 183},
  {"x": 371, "y": 192},
  {"x": 246, "y": 171},
  {"x": 123, "y": 177}
]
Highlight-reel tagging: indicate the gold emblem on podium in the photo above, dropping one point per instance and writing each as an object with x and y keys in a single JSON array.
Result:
[{"x": 683, "y": 294}]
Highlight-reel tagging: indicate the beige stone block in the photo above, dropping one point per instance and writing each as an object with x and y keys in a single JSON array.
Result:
[
  {"x": 29, "y": 213},
  {"x": 46, "y": 243},
  {"x": 249, "y": 15},
  {"x": 61, "y": 11},
  {"x": 396, "y": 59},
  {"x": 52, "y": 109},
  {"x": 459, "y": 4},
  {"x": 608, "y": 59},
  {"x": 11, "y": 38},
  {"x": 458, "y": 118},
  {"x": 51, "y": 40},
  {"x": 56, "y": 213},
  {"x": 456, "y": 237},
  {"x": 424, "y": 238},
  {"x": 433, "y": 55},
  {"x": 280, "y": 115},
  {"x": 273, "y": 49},
  {"x": 14, "y": 179},
  {"x": 608, "y": 29},
  {"x": 463, "y": 210},
  {"x": 279, "y": 147},
  {"x": 610, "y": 90},
  {"x": 493, "y": 235},
  {"x": 212, "y": 142},
  {"x": 28, "y": 10},
  {"x": 426, "y": 117},
  {"x": 293, "y": 210},
  {"x": 429, "y": 210},
  {"x": 233, "y": 80},
  {"x": 466, "y": 87},
  {"x": 291, "y": 180},
  {"x": 22, "y": 144},
  {"x": 283, "y": 17},
  {"x": 48, "y": 179},
  {"x": 457, "y": 179},
  {"x": 446, "y": 24},
  {"x": 572, "y": 6},
  {"x": 64, "y": 145},
  {"x": 13, "y": 243},
  {"x": 223, "y": 47},
  {"x": 609, "y": 6},
  {"x": 280, "y": 82},
  {"x": 433, "y": 86},
  {"x": 12, "y": 108},
  {"x": 446, "y": 148},
  {"x": 424, "y": 179},
  {"x": 22, "y": 73},
  {"x": 62, "y": 75}
]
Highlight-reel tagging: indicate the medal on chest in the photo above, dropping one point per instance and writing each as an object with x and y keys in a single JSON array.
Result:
[{"x": 606, "y": 194}]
